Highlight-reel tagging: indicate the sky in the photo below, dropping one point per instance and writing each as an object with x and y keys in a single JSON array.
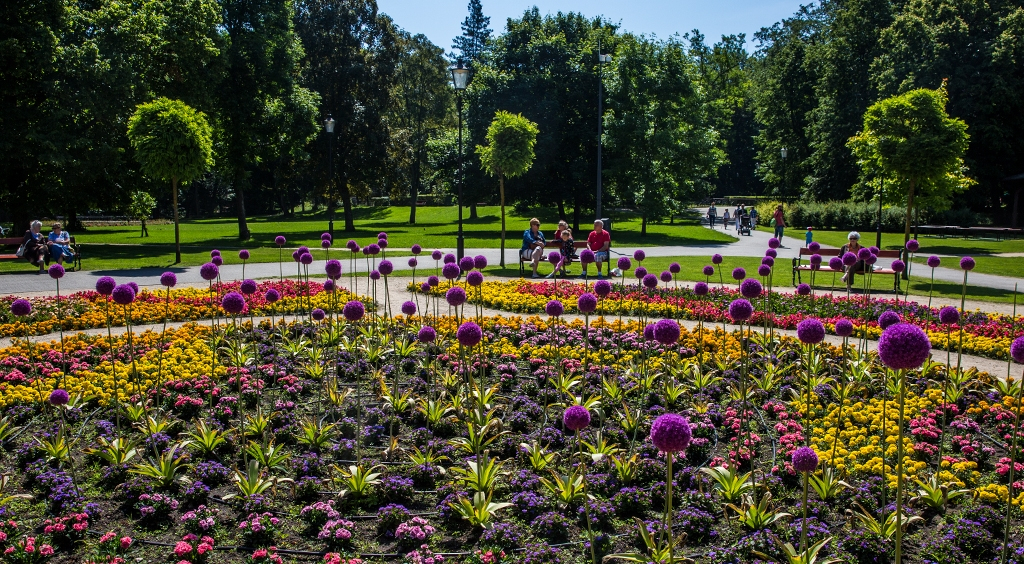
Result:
[{"x": 440, "y": 20}]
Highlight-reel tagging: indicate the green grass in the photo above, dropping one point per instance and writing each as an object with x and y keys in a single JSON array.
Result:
[
  {"x": 1002, "y": 266},
  {"x": 119, "y": 247}
]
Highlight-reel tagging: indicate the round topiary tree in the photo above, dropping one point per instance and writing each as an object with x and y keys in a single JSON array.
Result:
[{"x": 172, "y": 141}]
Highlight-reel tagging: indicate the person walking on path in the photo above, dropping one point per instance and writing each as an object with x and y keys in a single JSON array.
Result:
[
  {"x": 780, "y": 222},
  {"x": 725, "y": 220},
  {"x": 712, "y": 215}
]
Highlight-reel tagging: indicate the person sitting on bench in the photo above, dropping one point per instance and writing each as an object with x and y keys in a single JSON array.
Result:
[
  {"x": 598, "y": 241},
  {"x": 59, "y": 241},
  {"x": 854, "y": 247},
  {"x": 34, "y": 248},
  {"x": 533, "y": 245}
]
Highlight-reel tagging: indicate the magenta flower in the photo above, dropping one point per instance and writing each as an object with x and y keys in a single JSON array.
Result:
[
  {"x": 374, "y": 275},
  {"x": 451, "y": 271},
  {"x": 949, "y": 315},
  {"x": 771, "y": 253},
  {"x": 217, "y": 260},
  {"x": 751, "y": 288},
  {"x": 21, "y": 307},
  {"x": 416, "y": 249},
  {"x": 903, "y": 346},
  {"x": 209, "y": 271},
  {"x": 665, "y": 276},
  {"x": 413, "y": 263},
  {"x": 650, "y": 281},
  {"x": 436, "y": 255},
  {"x": 835, "y": 263},
  {"x": 624, "y": 263},
  {"x": 449, "y": 258},
  {"x": 803, "y": 289},
  {"x": 587, "y": 302},
  {"x": 717, "y": 258},
  {"x": 602, "y": 288},
  {"x": 898, "y": 265},
  {"x": 409, "y": 307},
  {"x": 701, "y": 289},
  {"x": 649, "y": 332},
  {"x": 233, "y": 303},
  {"x": 674, "y": 268},
  {"x": 805, "y": 459},
  {"x": 318, "y": 314},
  {"x": 587, "y": 256},
  {"x": 576, "y": 417},
  {"x": 967, "y": 263},
  {"x": 455, "y": 296},
  {"x": 864, "y": 254},
  {"x": 640, "y": 272},
  {"x": 888, "y": 319},
  {"x": 433, "y": 281},
  {"x": 480, "y": 262},
  {"x": 280, "y": 240},
  {"x": 934, "y": 261},
  {"x": 774, "y": 243},
  {"x": 426, "y": 334},
  {"x": 639, "y": 255},
  {"x": 248, "y": 287},
  {"x": 105, "y": 285},
  {"x": 214, "y": 253},
  {"x": 739, "y": 273},
  {"x": 554, "y": 308},
  {"x": 59, "y": 397},
  {"x": 353, "y": 310},
  {"x": 844, "y": 327},
  {"x": 329, "y": 285},
  {"x": 333, "y": 269},
  {"x": 475, "y": 278},
  {"x": 272, "y": 295},
  {"x": 554, "y": 257},
  {"x": 168, "y": 279},
  {"x": 810, "y": 331},
  {"x": 764, "y": 270},
  {"x": 243, "y": 254},
  {"x": 671, "y": 433},
  {"x": 469, "y": 334},
  {"x": 466, "y": 264},
  {"x": 123, "y": 294},
  {"x": 814, "y": 246},
  {"x": 56, "y": 271},
  {"x": 386, "y": 267},
  {"x": 666, "y": 332},
  {"x": 740, "y": 310},
  {"x": 913, "y": 245},
  {"x": 767, "y": 260},
  {"x": 306, "y": 259},
  {"x": 1017, "y": 350}
]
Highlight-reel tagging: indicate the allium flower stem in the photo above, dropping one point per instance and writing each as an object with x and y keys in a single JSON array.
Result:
[
  {"x": 1013, "y": 451},
  {"x": 945, "y": 385},
  {"x": 60, "y": 326},
  {"x": 113, "y": 372},
  {"x": 842, "y": 395},
  {"x": 901, "y": 377},
  {"x": 586, "y": 491},
  {"x": 803, "y": 524},
  {"x": 930, "y": 288},
  {"x": 668, "y": 506},
  {"x": 280, "y": 264},
  {"x": 809, "y": 350},
  {"x": 885, "y": 422},
  {"x": 960, "y": 346},
  {"x": 160, "y": 353}
]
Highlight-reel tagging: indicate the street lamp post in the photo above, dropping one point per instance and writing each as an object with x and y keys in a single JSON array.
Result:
[
  {"x": 601, "y": 60},
  {"x": 329, "y": 127},
  {"x": 784, "y": 152},
  {"x": 878, "y": 227},
  {"x": 460, "y": 79}
]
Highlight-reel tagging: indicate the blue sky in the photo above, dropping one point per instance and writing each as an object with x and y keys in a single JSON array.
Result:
[{"x": 439, "y": 20}]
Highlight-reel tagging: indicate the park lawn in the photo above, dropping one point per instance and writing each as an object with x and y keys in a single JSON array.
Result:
[
  {"x": 930, "y": 245},
  {"x": 118, "y": 247},
  {"x": 1002, "y": 266}
]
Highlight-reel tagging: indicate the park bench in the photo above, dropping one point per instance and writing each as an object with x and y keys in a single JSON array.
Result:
[
  {"x": 548, "y": 245},
  {"x": 76, "y": 261},
  {"x": 827, "y": 254}
]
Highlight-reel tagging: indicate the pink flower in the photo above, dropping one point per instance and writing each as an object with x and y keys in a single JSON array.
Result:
[
  {"x": 203, "y": 548},
  {"x": 126, "y": 542},
  {"x": 46, "y": 550},
  {"x": 107, "y": 537},
  {"x": 182, "y": 548}
]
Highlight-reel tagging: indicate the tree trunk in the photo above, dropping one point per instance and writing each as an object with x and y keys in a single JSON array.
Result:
[
  {"x": 501, "y": 189},
  {"x": 910, "y": 207},
  {"x": 576, "y": 213},
  {"x": 346, "y": 203},
  {"x": 243, "y": 227},
  {"x": 1013, "y": 214},
  {"x": 177, "y": 233},
  {"x": 561, "y": 208},
  {"x": 643, "y": 225},
  {"x": 414, "y": 190},
  {"x": 472, "y": 211}
]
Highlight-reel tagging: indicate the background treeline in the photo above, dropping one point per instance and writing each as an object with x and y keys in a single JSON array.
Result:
[{"x": 683, "y": 119}]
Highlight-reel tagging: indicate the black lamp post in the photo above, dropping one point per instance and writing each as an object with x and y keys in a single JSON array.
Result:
[
  {"x": 601, "y": 60},
  {"x": 329, "y": 127},
  {"x": 878, "y": 227},
  {"x": 784, "y": 152},
  {"x": 460, "y": 79}
]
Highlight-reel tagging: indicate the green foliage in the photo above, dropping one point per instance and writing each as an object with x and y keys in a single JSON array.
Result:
[
  {"x": 510, "y": 142},
  {"x": 480, "y": 510},
  {"x": 172, "y": 141}
]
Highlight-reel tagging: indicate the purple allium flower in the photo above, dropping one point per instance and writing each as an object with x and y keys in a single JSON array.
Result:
[
  {"x": 218, "y": 260},
  {"x": 436, "y": 255},
  {"x": 709, "y": 270},
  {"x": 772, "y": 253},
  {"x": 373, "y": 249},
  {"x": 325, "y": 236},
  {"x": 576, "y": 418},
  {"x": 602, "y": 288},
  {"x": 352, "y": 245},
  {"x": 409, "y": 307},
  {"x": 209, "y": 271},
  {"x": 1017, "y": 350},
  {"x": 233, "y": 303},
  {"x": 413, "y": 263},
  {"x": 433, "y": 280},
  {"x": 306, "y": 259},
  {"x": 303, "y": 249},
  {"x": 123, "y": 294},
  {"x": 898, "y": 265},
  {"x": 844, "y": 327},
  {"x": 426, "y": 334},
  {"x": 451, "y": 271},
  {"x": 450, "y": 258},
  {"x": 835, "y": 263},
  {"x": 134, "y": 287},
  {"x": 671, "y": 433},
  {"x": 967, "y": 263},
  {"x": 587, "y": 256},
  {"x": 382, "y": 235},
  {"x": 814, "y": 246},
  {"x": 874, "y": 250},
  {"x": 701, "y": 289},
  {"x": 386, "y": 267},
  {"x": 455, "y": 296},
  {"x": 649, "y": 332},
  {"x": 888, "y": 318},
  {"x": 717, "y": 258},
  {"x": 674, "y": 268},
  {"x": 774, "y": 243},
  {"x": 740, "y": 310},
  {"x": 624, "y": 263},
  {"x": 248, "y": 287},
  {"x": 466, "y": 264},
  {"x": 639, "y": 255},
  {"x": 803, "y": 289},
  {"x": 105, "y": 285},
  {"x": 871, "y": 259},
  {"x": 59, "y": 397},
  {"x": 382, "y": 243},
  {"x": 56, "y": 271},
  {"x": 475, "y": 278},
  {"x": 763, "y": 270},
  {"x": 665, "y": 276},
  {"x": 903, "y": 346},
  {"x": 949, "y": 315},
  {"x": 469, "y": 334},
  {"x": 650, "y": 281},
  {"x": 295, "y": 255},
  {"x": 913, "y": 245},
  {"x": 587, "y": 302},
  {"x": 329, "y": 285},
  {"x": 425, "y": 287},
  {"x": 333, "y": 269},
  {"x": 480, "y": 262},
  {"x": 168, "y": 279},
  {"x": 353, "y": 310},
  {"x": 21, "y": 307},
  {"x": 805, "y": 459},
  {"x": 272, "y": 295},
  {"x": 318, "y": 314},
  {"x": 243, "y": 254},
  {"x": 554, "y": 308},
  {"x": 739, "y": 273},
  {"x": 374, "y": 275},
  {"x": 815, "y": 259},
  {"x": 863, "y": 253},
  {"x": 214, "y": 253},
  {"x": 810, "y": 331},
  {"x": 934, "y": 261},
  {"x": 849, "y": 259},
  {"x": 280, "y": 240},
  {"x": 416, "y": 249},
  {"x": 554, "y": 257},
  {"x": 640, "y": 272},
  {"x": 751, "y": 288},
  {"x": 325, "y": 244},
  {"x": 768, "y": 261},
  {"x": 666, "y": 332}
]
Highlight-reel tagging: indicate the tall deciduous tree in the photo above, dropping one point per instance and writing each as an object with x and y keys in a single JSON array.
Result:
[
  {"x": 911, "y": 137},
  {"x": 508, "y": 154},
  {"x": 476, "y": 36},
  {"x": 173, "y": 143}
]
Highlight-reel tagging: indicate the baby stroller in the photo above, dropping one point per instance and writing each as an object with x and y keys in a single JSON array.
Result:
[{"x": 745, "y": 226}]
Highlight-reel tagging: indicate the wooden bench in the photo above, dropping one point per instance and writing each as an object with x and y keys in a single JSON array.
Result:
[
  {"x": 827, "y": 254},
  {"x": 76, "y": 261},
  {"x": 548, "y": 245}
]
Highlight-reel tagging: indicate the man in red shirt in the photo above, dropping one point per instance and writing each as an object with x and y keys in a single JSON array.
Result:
[{"x": 598, "y": 241}]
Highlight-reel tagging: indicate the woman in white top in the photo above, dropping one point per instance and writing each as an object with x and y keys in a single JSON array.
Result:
[
  {"x": 725, "y": 220},
  {"x": 59, "y": 242}
]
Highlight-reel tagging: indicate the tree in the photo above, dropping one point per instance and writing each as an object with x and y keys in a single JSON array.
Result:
[
  {"x": 910, "y": 137},
  {"x": 476, "y": 36},
  {"x": 509, "y": 153},
  {"x": 172, "y": 142},
  {"x": 140, "y": 208}
]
